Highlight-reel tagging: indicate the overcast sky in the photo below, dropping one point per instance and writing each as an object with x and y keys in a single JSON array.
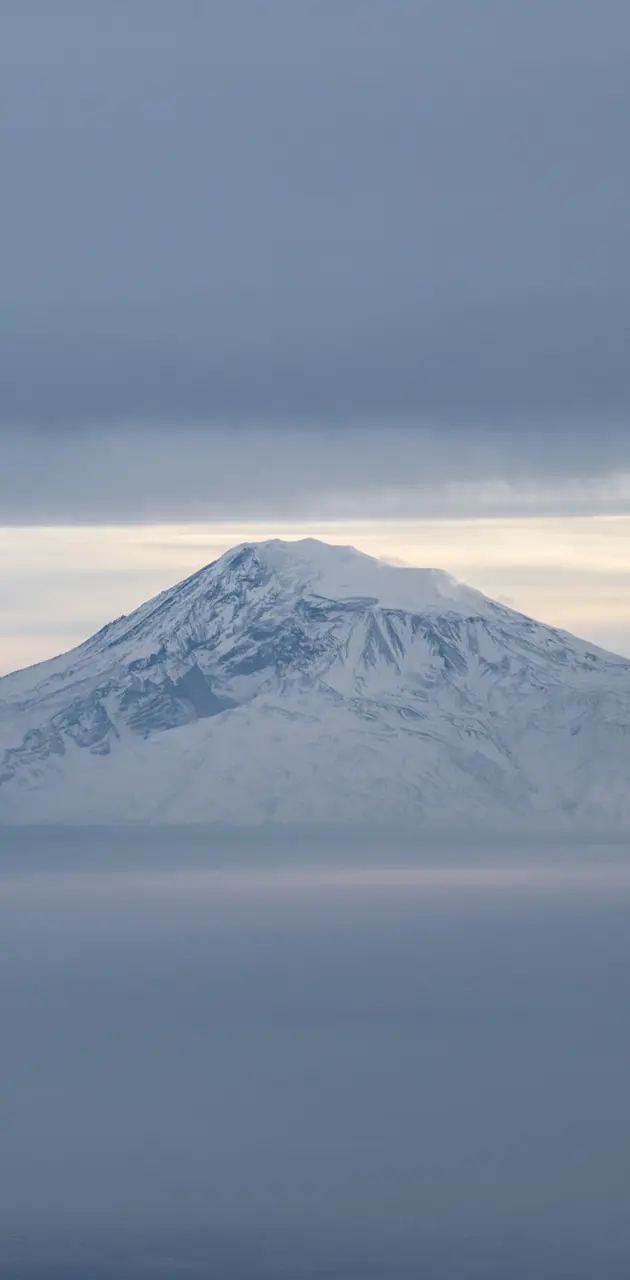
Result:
[
  {"x": 316, "y": 215},
  {"x": 320, "y": 260}
]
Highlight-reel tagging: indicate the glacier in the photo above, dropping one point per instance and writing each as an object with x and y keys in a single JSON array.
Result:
[{"x": 309, "y": 684}]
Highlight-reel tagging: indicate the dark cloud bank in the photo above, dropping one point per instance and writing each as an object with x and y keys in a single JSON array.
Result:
[{"x": 309, "y": 215}]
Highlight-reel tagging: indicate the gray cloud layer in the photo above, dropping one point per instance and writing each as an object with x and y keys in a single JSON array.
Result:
[
  {"x": 314, "y": 212},
  {"x": 252, "y": 473}
]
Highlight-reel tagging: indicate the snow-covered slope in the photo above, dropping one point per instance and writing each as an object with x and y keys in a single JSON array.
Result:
[{"x": 304, "y": 683}]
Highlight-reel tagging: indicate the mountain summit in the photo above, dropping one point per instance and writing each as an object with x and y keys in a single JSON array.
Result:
[{"x": 304, "y": 683}]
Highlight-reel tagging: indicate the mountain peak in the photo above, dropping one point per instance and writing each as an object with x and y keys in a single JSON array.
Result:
[
  {"x": 304, "y": 682},
  {"x": 308, "y": 567}
]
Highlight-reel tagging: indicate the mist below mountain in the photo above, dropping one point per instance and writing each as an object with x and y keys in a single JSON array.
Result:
[{"x": 297, "y": 1067}]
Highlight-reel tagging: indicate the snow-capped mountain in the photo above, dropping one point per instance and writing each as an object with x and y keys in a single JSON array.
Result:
[{"x": 305, "y": 683}]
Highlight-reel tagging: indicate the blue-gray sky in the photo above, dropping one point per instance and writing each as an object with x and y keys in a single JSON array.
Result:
[{"x": 235, "y": 217}]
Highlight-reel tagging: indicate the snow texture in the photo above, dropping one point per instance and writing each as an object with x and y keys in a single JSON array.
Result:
[{"x": 297, "y": 682}]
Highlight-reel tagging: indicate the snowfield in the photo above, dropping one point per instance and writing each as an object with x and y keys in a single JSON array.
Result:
[{"x": 305, "y": 683}]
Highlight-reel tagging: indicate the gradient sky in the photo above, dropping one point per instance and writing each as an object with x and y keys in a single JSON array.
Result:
[{"x": 272, "y": 266}]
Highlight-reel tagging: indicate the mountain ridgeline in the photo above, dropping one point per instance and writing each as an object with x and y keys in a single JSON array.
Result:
[{"x": 303, "y": 683}]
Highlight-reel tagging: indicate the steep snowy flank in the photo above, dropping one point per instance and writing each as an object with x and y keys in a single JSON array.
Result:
[{"x": 302, "y": 682}]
